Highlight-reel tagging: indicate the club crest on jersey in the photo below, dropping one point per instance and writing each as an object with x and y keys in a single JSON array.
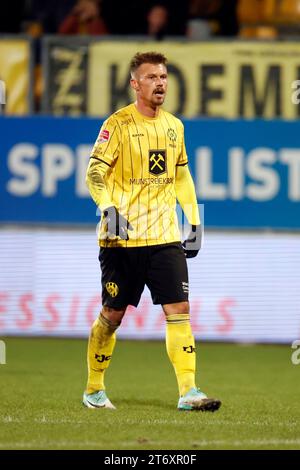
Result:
[
  {"x": 103, "y": 136},
  {"x": 157, "y": 162},
  {"x": 172, "y": 134}
]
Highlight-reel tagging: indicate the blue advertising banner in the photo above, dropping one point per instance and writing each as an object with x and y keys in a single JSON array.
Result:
[{"x": 247, "y": 173}]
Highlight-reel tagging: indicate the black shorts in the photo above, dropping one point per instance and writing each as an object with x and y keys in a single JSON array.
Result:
[{"x": 126, "y": 271}]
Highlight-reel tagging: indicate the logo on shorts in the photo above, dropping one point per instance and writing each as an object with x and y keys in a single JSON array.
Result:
[
  {"x": 157, "y": 162},
  {"x": 112, "y": 289},
  {"x": 103, "y": 136},
  {"x": 185, "y": 287}
]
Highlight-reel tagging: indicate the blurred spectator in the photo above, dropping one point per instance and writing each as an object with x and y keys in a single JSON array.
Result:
[
  {"x": 84, "y": 18},
  {"x": 212, "y": 17},
  {"x": 157, "y": 18}
]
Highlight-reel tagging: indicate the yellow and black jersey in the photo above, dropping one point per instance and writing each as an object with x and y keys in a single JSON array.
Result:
[{"x": 142, "y": 154}]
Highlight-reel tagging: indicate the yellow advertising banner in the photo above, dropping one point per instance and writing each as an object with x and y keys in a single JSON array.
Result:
[
  {"x": 212, "y": 79},
  {"x": 15, "y": 75}
]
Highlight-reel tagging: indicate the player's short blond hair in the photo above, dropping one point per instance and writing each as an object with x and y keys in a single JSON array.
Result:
[{"x": 146, "y": 58}]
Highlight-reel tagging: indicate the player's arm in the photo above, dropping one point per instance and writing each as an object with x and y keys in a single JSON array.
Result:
[
  {"x": 103, "y": 155},
  {"x": 186, "y": 196},
  {"x": 95, "y": 174}
]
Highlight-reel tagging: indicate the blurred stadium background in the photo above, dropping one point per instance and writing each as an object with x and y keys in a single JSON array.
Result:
[{"x": 233, "y": 71}]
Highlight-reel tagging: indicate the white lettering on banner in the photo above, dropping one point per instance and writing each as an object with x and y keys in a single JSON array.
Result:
[
  {"x": 236, "y": 173},
  {"x": 2, "y": 92},
  {"x": 83, "y": 156},
  {"x": 207, "y": 188},
  {"x": 291, "y": 157},
  {"x": 26, "y": 178},
  {"x": 261, "y": 165},
  {"x": 295, "y": 95},
  {"x": 58, "y": 164},
  {"x": 258, "y": 164},
  {"x": 258, "y": 168}
]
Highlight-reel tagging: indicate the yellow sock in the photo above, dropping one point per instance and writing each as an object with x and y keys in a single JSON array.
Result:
[
  {"x": 100, "y": 348},
  {"x": 181, "y": 350}
]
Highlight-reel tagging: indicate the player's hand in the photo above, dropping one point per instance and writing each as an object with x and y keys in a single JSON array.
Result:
[
  {"x": 116, "y": 224},
  {"x": 193, "y": 242}
]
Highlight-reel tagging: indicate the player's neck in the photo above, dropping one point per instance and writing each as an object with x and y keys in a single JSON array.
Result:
[{"x": 147, "y": 110}]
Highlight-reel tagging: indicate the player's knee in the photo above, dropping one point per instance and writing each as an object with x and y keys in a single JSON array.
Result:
[
  {"x": 177, "y": 308},
  {"x": 113, "y": 316}
]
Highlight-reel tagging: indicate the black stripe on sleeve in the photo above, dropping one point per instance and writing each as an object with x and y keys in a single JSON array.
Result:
[
  {"x": 181, "y": 164},
  {"x": 100, "y": 160}
]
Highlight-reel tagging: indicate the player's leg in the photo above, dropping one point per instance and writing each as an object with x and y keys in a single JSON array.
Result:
[
  {"x": 180, "y": 344},
  {"x": 168, "y": 284},
  {"x": 103, "y": 333},
  {"x": 122, "y": 285},
  {"x": 101, "y": 345},
  {"x": 100, "y": 349},
  {"x": 181, "y": 350}
]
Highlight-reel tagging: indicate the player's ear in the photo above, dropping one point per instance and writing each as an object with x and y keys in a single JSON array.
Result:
[{"x": 134, "y": 84}]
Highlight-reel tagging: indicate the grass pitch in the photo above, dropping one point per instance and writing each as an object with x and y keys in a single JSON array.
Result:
[{"x": 43, "y": 381}]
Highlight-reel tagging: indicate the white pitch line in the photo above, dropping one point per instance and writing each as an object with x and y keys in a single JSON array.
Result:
[
  {"x": 162, "y": 444},
  {"x": 44, "y": 420},
  {"x": 252, "y": 442}
]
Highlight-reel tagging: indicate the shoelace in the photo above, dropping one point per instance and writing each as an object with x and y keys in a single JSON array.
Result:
[{"x": 99, "y": 395}]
